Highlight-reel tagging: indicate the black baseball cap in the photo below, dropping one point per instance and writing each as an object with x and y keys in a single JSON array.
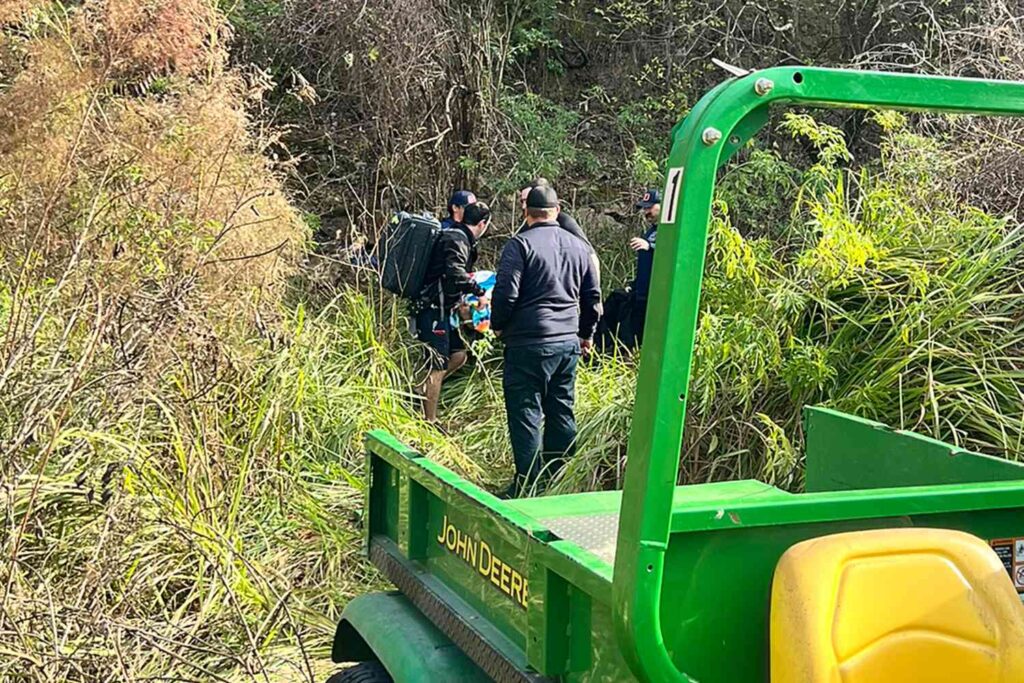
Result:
[
  {"x": 535, "y": 182},
  {"x": 476, "y": 213},
  {"x": 462, "y": 198},
  {"x": 650, "y": 198},
  {"x": 542, "y": 197}
]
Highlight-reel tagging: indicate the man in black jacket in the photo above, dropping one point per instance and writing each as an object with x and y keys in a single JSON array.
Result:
[
  {"x": 546, "y": 304},
  {"x": 565, "y": 221},
  {"x": 650, "y": 204},
  {"x": 447, "y": 280}
]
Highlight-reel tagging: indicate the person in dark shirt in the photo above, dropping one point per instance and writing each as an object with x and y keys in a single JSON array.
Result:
[
  {"x": 650, "y": 204},
  {"x": 545, "y": 307},
  {"x": 565, "y": 221},
  {"x": 447, "y": 280},
  {"x": 456, "y": 206}
]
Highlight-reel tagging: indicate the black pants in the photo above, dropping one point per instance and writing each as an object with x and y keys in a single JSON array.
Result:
[
  {"x": 540, "y": 383},
  {"x": 615, "y": 326},
  {"x": 623, "y": 321},
  {"x": 638, "y": 318}
]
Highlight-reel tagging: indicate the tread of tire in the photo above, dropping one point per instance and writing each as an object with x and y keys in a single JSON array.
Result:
[{"x": 364, "y": 672}]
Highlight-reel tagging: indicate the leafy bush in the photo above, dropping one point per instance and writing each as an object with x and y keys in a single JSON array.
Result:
[
  {"x": 884, "y": 296},
  {"x": 540, "y": 143}
]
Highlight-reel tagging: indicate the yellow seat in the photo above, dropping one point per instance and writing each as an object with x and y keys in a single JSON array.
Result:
[{"x": 895, "y": 606}]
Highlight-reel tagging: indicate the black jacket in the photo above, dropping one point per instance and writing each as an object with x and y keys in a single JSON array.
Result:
[
  {"x": 645, "y": 265},
  {"x": 451, "y": 261},
  {"x": 548, "y": 289},
  {"x": 569, "y": 224}
]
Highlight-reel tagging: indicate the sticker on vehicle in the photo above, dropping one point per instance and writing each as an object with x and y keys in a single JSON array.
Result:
[
  {"x": 477, "y": 553},
  {"x": 673, "y": 185},
  {"x": 1010, "y": 552}
]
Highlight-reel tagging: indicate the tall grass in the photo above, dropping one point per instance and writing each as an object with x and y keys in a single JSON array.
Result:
[
  {"x": 884, "y": 294},
  {"x": 182, "y": 445},
  {"x": 156, "y": 521},
  {"x": 218, "y": 538}
]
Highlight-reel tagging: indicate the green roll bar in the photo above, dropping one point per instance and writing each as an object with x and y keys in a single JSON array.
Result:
[{"x": 720, "y": 123}]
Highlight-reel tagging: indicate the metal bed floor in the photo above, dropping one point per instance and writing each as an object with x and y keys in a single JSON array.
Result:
[
  {"x": 597, "y": 533},
  {"x": 591, "y": 520}
]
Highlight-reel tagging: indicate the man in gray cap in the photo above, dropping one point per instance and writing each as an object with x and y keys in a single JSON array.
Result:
[{"x": 545, "y": 307}]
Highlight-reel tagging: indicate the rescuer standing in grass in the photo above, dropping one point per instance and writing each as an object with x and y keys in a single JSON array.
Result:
[
  {"x": 545, "y": 307},
  {"x": 447, "y": 279},
  {"x": 650, "y": 204}
]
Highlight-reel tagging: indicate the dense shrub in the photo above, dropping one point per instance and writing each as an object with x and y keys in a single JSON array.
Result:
[
  {"x": 884, "y": 295},
  {"x": 144, "y": 250}
]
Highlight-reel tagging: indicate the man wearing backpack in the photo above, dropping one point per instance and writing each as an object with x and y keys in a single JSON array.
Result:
[
  {"x": 447, "y": 280},
  {"x": 457, "y": 207},
  {"x": 545, "y": 307}
]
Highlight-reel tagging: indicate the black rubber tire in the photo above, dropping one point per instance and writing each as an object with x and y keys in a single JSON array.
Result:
[{"x": 364, "y": 672}]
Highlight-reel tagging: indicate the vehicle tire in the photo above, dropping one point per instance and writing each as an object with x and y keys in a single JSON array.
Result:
[{"x": 364, "y": 672}]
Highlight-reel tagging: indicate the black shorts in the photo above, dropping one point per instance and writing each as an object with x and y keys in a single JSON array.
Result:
[{"x": 435, "y": 330}]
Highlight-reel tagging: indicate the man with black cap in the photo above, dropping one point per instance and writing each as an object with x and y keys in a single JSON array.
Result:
[
  {"x": 650, "y": 204},
  {"x": 447, "y": 280},
  {"x": 545, "y": 307},
  {"x": 456, "y": 206},
  {"x": 565, "y": 221}
]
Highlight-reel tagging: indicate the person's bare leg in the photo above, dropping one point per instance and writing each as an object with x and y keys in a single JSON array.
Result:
[
  {"x": 432, "y": 385},
  {"x": 432, "y": 394},
  {"x": 457, "y": 360}
]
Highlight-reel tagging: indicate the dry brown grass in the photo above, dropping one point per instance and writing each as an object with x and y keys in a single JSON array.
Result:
[
  {"x": 145, "y": 243},
  {"x": 143, "y": 37},
  {"x": 12, "y": 11},
  {"x": 152, "y": 202}
]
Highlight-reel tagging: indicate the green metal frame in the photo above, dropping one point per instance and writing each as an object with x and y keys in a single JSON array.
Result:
[{"x": 718, "y": 126}]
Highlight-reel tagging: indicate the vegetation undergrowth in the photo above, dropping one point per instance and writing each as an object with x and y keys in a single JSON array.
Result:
[{"x": 182, "y": 420}]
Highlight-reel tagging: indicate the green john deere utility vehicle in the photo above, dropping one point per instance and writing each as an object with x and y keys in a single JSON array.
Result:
[{"x": 903, "y": 561}]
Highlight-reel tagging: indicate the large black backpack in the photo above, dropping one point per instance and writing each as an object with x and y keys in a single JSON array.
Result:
[{"x": 405, "y": 250}]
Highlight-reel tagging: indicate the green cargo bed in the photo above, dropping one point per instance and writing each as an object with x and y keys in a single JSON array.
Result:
[
  {"x": 525, "y": 587},
  {"x": 591, "y": 520}
]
